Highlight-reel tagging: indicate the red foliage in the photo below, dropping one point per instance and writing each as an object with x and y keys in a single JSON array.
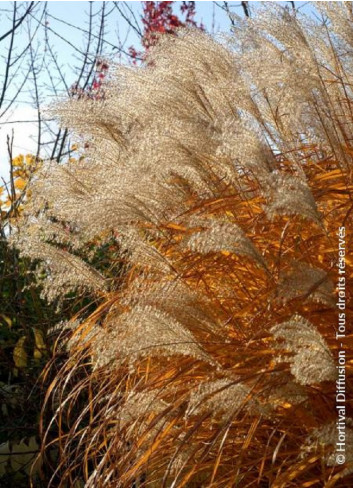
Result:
[
  {"x": 158, "y": 18},
  {"x": 94, "y": 90}
]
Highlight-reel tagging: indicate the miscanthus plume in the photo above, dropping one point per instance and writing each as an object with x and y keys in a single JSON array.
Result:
[{"x": 222, "y": 170}]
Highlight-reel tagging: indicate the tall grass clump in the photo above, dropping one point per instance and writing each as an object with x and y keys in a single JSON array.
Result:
[{"x": 223, "y": 170}]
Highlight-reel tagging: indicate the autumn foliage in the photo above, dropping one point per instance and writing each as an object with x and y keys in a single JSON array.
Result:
[
  {"x": 159, "y": 18},
  {"x": 207, "y": 354}
]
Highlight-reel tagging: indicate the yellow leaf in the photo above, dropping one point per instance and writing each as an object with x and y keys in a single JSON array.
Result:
[
  {"x": 20, "y": 183},
  {"x": 19, "y": 353},
  {"x": 39, "y": 343},
  {"x": 18, "y": 161},
  {"x": 20, "y": 456},
  {"x": 30, "y": 160},
  {"x": 23, "y": 454},
  {"x": 7, "y": 320},
  {"x": 74, "y": 147}
]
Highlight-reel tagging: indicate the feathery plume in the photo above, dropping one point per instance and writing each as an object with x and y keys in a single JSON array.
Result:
[{"x": 222, "y": 171}]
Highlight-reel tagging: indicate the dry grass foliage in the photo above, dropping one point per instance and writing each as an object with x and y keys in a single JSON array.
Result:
[{"x": 224, "y": 169}]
